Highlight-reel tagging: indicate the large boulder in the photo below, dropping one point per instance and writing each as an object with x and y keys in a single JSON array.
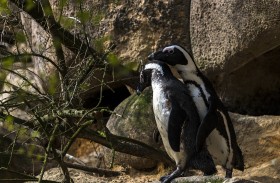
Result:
[
  {"x": 259, "y": 139},
  {"x": 226, "y": 35},
  {"x": 134, "y": 118},
  {"x": 236, "y": 43}
]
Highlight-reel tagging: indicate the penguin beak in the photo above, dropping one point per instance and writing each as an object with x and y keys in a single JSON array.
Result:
[
  {"x": 158, "y": 55},
  {"x": 141, "y": 84},
  {"x": 151, "y": 57},
  {"x": 139, "y": 89}
]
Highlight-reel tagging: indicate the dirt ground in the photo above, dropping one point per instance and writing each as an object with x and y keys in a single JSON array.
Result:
[
  {"x": 259, "y": 139},
  {"x": 266, "y": 173}
]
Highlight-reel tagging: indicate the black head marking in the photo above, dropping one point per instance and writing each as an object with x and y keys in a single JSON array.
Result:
[{"x": 171, "y": 55}]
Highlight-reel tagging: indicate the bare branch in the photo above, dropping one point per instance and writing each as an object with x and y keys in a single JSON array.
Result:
[
  {"x": 120, "y": 144},
  {"x": 99, "y": 171},
  {"x": 66, "y": 38}
]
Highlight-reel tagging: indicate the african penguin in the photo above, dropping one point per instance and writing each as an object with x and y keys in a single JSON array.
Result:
[
  {"x": 176, "y": 118},
  {"x": 216, "y": 127}
]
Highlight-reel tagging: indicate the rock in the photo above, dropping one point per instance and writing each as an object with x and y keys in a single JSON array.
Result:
[
  {"x": 236, "y": 43},
  {"x": 198, "y": 179},
  {"x": 259, "y": 139},
  {"x": 134, "y": 118},
  {"x": 238, "y": 180},
  {"x": 209, "y": 179},
  {"x": 226, "y": 35}
]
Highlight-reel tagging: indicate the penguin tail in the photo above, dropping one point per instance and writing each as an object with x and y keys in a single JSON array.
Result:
[{"x": 239, "y": 160}]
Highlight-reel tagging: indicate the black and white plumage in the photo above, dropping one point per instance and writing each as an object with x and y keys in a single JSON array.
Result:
[
  {"x": 177, "y": 119},
  {"x": 216, "y": 128}
]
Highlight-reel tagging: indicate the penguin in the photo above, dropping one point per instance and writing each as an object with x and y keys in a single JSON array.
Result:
[
  {"x": 177, "y": 119},
  {"x": 216, "y": 128}
]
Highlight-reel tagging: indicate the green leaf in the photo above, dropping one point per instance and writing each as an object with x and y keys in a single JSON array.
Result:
[
  {"x": 97, "y": 18},
  {"x": 2, "y": 78},
  {"x": 29, "y": 5},
  {"x": 47, "y": 10},
  {"x": 4, "y": 10},
  {"x": 21, "y": 151},
  {"x": 99, "y": 43},
  {"x": 84, "y": 16},
  {"x": 20, "y": 37},
  {"x": 7, "y": 62},
  {"x": 101, "y": 133},
  {"x": 62, "y": 3},
  {"x": 67, "y": 22},
  {"x": 53, "y": 82},
  {"x": 132, "y": 65},
  {"x": 9, "y": 123},
  {"x": 35, "y": 134},
  {"x": 113, "y": 59},
  {"x": 85, "y": 86}
]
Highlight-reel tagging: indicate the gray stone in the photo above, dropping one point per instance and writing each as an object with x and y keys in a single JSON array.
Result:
[
  {"x": 209, "y": 179},
  {"x": 198, "y": 179},
  {"x": 236, "y": 43},
  {"x": 239, "y": 180}
]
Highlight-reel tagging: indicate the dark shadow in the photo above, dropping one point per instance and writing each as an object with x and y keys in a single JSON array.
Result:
[{"x": 254, "y": 89}]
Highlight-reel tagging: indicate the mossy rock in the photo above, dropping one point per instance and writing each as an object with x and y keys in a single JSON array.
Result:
[{"x": 134, "y": 119}]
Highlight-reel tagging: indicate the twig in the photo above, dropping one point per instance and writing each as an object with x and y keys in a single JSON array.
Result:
[
  {"x": 121, "y": 144},
  {"x": 18, "y": 177},
  {"x": 67, "y": 178},
  {"x": 13, "y": 147},
  {"x": 72, "y": 113},
  {"x": 52, "y": 138},
  {"x": 73, "y": 138},
  {"x": 18, "y": 56},
  {"x": 24, "y": 78},
  {"x": 66, "y": 38},
  {"x": 99, "y": 171}
]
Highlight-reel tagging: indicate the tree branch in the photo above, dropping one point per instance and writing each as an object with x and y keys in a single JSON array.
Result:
[
  {"x": 120, "y": 144},
  {"x": 67, "y": 38},
  {"x": 99, "y": 171},
  {"x": 80, "y": 48}
]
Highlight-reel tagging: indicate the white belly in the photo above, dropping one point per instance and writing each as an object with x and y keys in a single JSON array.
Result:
[
  {"x": 216, "y": 143},
  {"x": 198, "y": 100},
  {"x": 217, "y": 147},
  {"x": 161, "y": 109}
]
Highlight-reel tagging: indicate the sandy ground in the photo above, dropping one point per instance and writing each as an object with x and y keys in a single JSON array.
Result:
[{"x": 267, "y": 173}]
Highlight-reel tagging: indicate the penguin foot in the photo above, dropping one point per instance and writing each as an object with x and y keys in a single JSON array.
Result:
[
  {"x": 169, "y": 178},
  {"x": 228, "y": 173},
  {"x": 209, "y": 171},
  {"x": 161, "y": 179}
]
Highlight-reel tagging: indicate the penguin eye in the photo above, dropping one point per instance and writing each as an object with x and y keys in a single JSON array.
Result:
[{"x": 168, "y": 51}]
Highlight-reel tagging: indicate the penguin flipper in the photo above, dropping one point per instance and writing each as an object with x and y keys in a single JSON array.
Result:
[
  {"x": 208, "y": 124},
  {"x": 175, "y": 127}
]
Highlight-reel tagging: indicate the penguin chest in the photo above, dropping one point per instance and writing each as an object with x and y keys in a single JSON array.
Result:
[
  {"x": 199, "y": 102},
  {"x": 217, "y": 145},
  {"x": 162, "y": 108}
]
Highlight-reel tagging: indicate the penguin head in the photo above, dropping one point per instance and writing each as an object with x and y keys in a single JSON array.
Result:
[
  {"x": 150, "y": 70},
  {"x": 172, "y": 55}
]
